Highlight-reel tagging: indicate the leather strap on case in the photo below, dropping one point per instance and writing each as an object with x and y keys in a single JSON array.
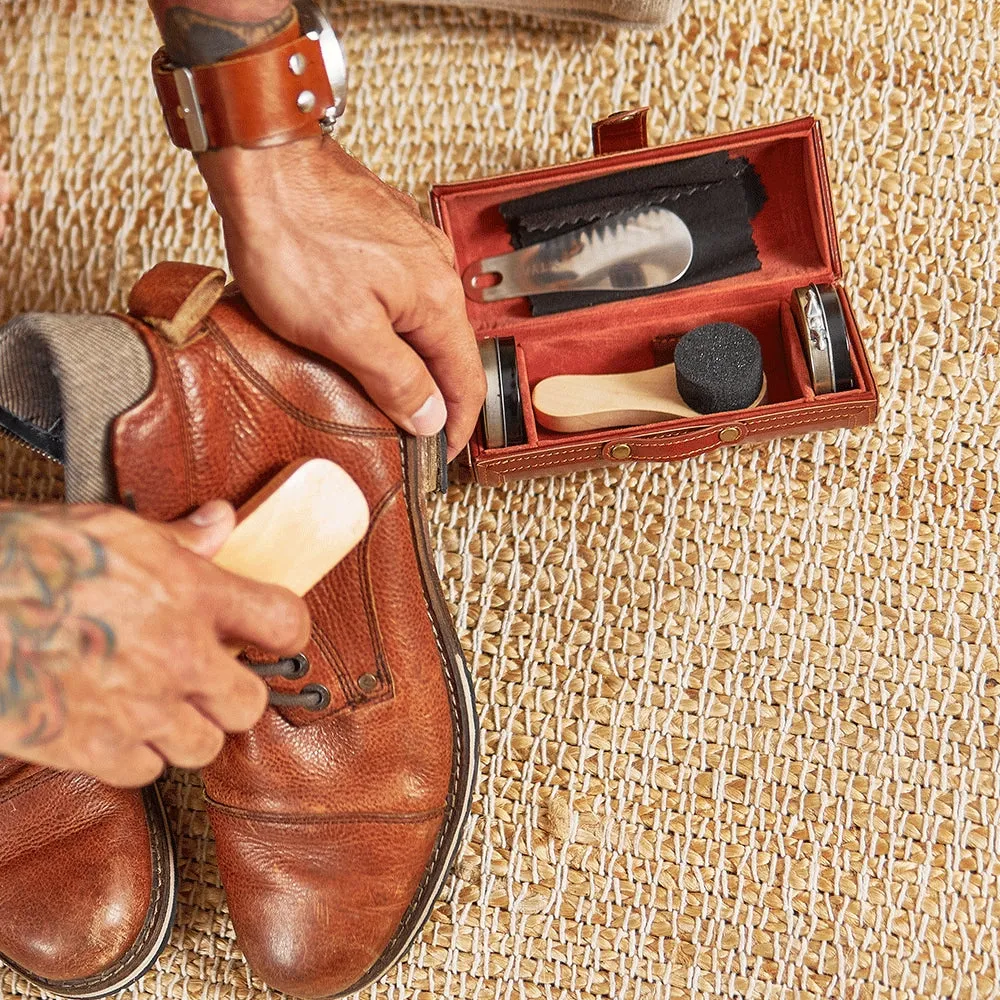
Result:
[
  {"x": 557, "y": 459},
  {"x": 174, "y": 298},
  {"x": 265, "y": 97},
  {"x": 621, "y": 132},
  {"x": 671, "y": 447}
]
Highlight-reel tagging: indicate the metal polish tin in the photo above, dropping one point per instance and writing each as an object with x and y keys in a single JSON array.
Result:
[
  {"x": 822, "y": 328},
  {"x": 503, "y": 411}
]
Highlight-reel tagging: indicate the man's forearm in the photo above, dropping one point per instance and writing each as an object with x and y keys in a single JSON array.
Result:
[{"x": 196, "y": 32}]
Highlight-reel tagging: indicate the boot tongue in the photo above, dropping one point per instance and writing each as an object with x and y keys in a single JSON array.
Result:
[{"x": 63, "y": 381}]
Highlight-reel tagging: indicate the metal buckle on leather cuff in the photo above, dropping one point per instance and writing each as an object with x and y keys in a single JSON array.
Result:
[
  {"x": 190, "y": 109},
  {"x": 314, "y": 25},
  {"x": 316, "y": 28}
]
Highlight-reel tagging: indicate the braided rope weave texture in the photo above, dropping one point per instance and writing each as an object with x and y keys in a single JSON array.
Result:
[{"x": 740, "y": 714}]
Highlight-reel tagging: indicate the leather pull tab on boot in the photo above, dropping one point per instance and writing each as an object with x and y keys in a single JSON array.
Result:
[{"x": 174, "y": 298}]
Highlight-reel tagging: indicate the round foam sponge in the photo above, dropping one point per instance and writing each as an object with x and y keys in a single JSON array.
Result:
[{"x": 719, "y": 367}]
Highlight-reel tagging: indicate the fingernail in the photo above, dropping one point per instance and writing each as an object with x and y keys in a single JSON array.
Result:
[
  {"x": 430, "y": 418},
  {"x": 209, "y": 513}
]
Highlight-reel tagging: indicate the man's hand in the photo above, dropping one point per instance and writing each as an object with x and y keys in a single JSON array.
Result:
[
  {"x": 114, "y": 635},
  {"x": 337, "y": 262},
  {"x": 327, "y": 255}
]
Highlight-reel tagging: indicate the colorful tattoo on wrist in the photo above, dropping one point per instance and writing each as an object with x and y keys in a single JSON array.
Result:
[
  {"x": 194, "y": 38},
  {"x": 43, "y": 559}
]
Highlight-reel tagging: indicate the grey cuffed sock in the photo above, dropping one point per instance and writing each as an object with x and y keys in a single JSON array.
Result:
[{"x": 73, "y": 374}]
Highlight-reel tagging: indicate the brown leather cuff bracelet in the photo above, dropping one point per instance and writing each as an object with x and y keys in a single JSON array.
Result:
[{"x": 266, "y": 96}]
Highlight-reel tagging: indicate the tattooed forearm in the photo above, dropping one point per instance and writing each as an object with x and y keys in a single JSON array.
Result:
[
  {"x": 203, "y": 32},
  {"x": 43, "y": 560}
]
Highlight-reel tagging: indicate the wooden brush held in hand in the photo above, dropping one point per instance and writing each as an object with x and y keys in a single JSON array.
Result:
[
  {"x": 717, "y": 367},
  {"x": 297, "y": 528}
]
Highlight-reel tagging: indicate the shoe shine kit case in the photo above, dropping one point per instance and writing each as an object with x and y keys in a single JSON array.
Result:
[{"x": 796, "y": 255}]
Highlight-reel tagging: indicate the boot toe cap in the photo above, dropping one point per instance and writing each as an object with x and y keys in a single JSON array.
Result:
[{"x": 319, "y": 905}]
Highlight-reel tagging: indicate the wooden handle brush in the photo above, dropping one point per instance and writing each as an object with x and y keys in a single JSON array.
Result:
[
  {"x": 297, "y": 528},
  {"x": 716, "y": 367}
]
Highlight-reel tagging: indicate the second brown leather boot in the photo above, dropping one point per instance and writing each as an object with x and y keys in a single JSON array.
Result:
[
  {"x": 338, "y": 815},
  {"x": 88, "y": 881}
]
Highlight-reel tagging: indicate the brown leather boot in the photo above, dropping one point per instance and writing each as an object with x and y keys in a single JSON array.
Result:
[
  {"x": 88, "y": 882},
  {"x": 337, "y": 817}
]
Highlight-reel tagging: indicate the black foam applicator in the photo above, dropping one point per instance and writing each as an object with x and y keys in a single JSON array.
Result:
[{"x": 719, "y": 367}]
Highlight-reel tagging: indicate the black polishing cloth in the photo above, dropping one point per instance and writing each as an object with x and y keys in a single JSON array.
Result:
[
  {"x": 716, "y": 195},
  {"x": 718, "y": 367}
]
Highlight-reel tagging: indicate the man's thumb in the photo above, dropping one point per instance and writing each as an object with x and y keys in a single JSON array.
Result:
[{"x": 205, "y": 530}]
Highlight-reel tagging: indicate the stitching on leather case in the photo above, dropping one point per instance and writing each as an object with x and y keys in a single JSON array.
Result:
[
  {"x": 770, "y": 423},
  {"x": 575, "y": 450},
  {"x": 752, "y": 424},
  {"x": 841, "y": 410},
  {"x": 593, "y": 451},
  {"x": 520, "y": 466}
]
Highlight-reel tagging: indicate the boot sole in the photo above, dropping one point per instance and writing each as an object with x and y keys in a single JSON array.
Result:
[{"x": 465, "y": 720}]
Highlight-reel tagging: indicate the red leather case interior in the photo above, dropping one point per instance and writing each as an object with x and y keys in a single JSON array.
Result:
[{"x": 797, "y": 243}]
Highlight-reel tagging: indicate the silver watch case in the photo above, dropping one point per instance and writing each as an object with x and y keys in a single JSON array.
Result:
[{"x": 315, "y": 25}]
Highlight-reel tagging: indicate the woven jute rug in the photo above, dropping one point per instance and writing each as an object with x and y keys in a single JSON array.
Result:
[{"x": 739, "y": 713}]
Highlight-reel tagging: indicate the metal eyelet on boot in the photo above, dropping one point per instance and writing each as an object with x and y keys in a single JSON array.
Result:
[
  {"x": 291, "y": 668},
  {"x": 296, "y": 667},
  {"x": 313, "y": 697},
  {"x": 321, "y": 695}
]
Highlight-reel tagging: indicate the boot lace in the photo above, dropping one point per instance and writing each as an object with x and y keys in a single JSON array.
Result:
[{"x": 313, "y": 697}]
